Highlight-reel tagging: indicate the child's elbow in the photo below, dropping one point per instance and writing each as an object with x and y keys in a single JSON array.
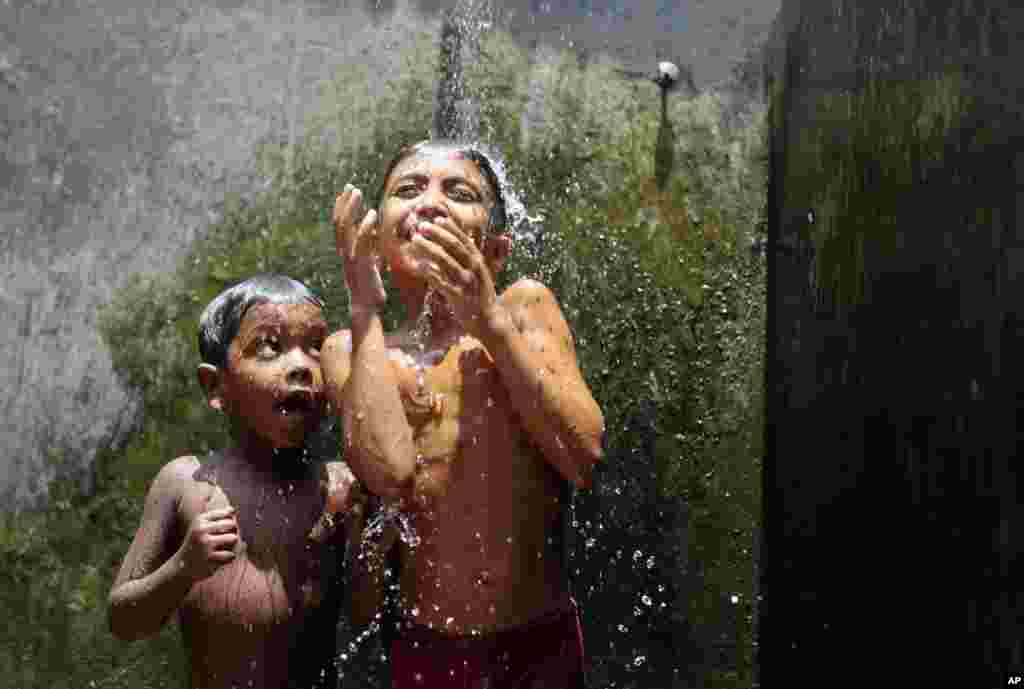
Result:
[
  {"x": 390, "y": 476},
  {"x": 392, "y": 484},
  {"x": 121, "y": 630},
  {"x": 591, "y": 452},
  {"x": 121, "y": 623}
]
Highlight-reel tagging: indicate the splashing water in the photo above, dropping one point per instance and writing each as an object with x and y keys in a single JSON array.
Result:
[
  {"x": 391, "y": 514},
  {"x": 419, "y": 335}
]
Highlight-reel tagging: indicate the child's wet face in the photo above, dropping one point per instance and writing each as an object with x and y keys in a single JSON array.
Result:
[
  {"x": 431, "y": 185},
  {"x": 273, "y": 383}
]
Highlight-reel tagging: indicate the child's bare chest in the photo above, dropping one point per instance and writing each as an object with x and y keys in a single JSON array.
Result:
[
  {"x": 280, "y": 571},
  {"x": 448, "y": 396},
  {"x": 466, "y": 432}
]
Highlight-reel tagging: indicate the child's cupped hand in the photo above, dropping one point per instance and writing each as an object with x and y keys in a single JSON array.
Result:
[
  {"x": 355, "y": 239},
  {"x": 210, "y": 543},
  {"x": 453, "y": 263}
]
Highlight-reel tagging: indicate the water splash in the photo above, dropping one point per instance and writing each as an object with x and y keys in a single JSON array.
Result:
[
  {"x": 391, "y": 513},
  {"x": 419, "y": 335}
]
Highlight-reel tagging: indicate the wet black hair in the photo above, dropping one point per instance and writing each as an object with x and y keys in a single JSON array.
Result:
[
  {"x": 221, "y": 319},
  {"x": 498, "y": 218}
]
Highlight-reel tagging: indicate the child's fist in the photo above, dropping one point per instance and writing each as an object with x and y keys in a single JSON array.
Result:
[{"x": 210, "y": 542}]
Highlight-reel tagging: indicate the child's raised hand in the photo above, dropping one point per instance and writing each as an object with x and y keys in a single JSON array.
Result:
[
  {"x": 355, "y": 240},
  {"x": 210, "y": 542}
]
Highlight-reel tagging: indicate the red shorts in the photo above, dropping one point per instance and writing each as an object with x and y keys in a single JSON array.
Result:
[{"x": 544, "y": 653}]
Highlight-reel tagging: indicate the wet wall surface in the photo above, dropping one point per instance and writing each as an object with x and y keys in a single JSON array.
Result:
[
  {"x": 893, "y": 504},
  {"x": 124, "y": 127}
]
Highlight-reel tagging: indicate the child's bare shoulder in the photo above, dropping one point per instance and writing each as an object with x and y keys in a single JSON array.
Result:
[
  {"x": 170, "y": 489},
  {"x": 339, "y": 342},
  {"x": 532, "y": 304},
  {"x": 525, "y": 289},
  {"x": 174, "y": 478},
  {"x": 336, "y": 360},
  {"x": 183, "y": 483}
]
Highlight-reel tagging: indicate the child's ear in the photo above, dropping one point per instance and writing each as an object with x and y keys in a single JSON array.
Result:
[
  {"x": 210, "y": 381},
  {"x": 497, "y": 251}
]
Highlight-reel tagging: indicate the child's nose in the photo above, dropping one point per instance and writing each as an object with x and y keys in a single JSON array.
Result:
[
  {"x": 299, "y": 373},
  {"x": 431, "y": 206}
]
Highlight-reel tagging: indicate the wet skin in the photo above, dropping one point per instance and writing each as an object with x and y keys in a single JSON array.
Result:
[
  {"x": 238, "y": 548},
  {"x": 503, "y": 416}
]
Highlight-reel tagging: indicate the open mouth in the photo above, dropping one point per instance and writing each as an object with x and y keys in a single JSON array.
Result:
[
  {"x": 298, "y": 403},
  {"x": 408, "y": 228}
]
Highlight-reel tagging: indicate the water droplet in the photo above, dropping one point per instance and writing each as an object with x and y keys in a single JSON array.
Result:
[
  {"x": 646, "y": 600},
  {"x": 418, "y": 677},
  {"x": 734, "y": 598},
  {"x": 415, "y": 611}
]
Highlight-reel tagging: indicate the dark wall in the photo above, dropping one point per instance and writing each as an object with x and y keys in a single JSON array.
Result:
[{"x": 895, "y": 321}]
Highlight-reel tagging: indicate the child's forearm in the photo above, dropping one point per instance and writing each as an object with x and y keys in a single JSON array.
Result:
[
  {"x": 555, "y": 405},
  {"x": 138, "y": 608},
  {"x": 378, "y": 436}
]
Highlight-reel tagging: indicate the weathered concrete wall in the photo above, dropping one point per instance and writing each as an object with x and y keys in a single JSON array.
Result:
[
  {"x": 124, "y": 125},
  {"x": 122, "y": 128}
]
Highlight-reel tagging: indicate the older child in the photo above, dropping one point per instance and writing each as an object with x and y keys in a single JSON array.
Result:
[
  {"x": 244, "y": 545},
  {"x": 489, "y": 401}
]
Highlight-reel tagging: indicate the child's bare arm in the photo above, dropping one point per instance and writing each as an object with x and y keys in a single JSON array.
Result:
[
  {"x": 361, "y": 380},
  {"x": 532, "y": 346},
  {"x": 161, "y": 565}
]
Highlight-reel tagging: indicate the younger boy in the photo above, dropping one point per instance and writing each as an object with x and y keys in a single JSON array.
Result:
[{"x": 244, "y": 545}]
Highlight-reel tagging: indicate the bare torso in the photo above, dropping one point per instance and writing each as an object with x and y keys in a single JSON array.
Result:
[
  {"x": 487, "y": 504},
  {"x": 268, "y": 617}
]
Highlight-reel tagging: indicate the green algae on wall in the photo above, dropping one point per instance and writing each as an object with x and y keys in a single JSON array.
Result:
[{"x": 854, "y": 158}]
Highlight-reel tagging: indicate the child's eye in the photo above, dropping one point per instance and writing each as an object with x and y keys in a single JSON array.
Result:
[
  {"x": 317, "y": 345},
  {"x": 406, "y": 190},
  {"x": 267, "y": 348},
  {"x": 466, "y": 195}
]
